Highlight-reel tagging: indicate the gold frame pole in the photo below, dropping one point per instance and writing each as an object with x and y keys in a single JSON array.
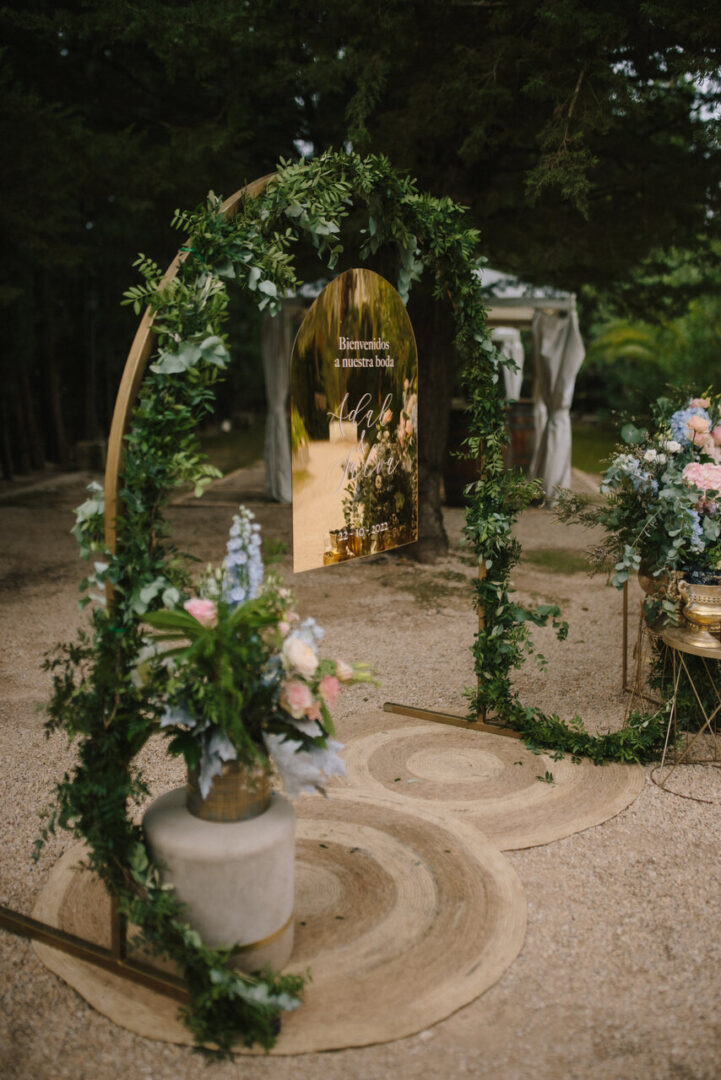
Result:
[
  {"x": 134, "y": 371},
  {"x": 481, "y": 724},
  {"x": 91, "y": 953},
  {"x": 115, "y": 958}
]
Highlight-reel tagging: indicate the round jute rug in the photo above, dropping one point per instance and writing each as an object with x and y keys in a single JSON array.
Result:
[
  {"x": 518, "y": 799},
  {"x": 401, "y": 917}
]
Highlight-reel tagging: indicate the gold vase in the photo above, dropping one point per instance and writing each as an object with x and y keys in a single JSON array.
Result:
[
  {"x": 237, "y": 793},
  {"x": 652, "y": 586}
]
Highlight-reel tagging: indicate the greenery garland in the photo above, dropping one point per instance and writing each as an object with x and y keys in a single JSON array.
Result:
[{"x": 97, "y": 697}]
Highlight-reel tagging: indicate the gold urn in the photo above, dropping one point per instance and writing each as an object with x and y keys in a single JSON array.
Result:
[{"x": 701, "y": 608}]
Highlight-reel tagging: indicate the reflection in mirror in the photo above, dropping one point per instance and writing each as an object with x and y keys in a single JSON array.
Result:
[{"x": 354, "y": 423}]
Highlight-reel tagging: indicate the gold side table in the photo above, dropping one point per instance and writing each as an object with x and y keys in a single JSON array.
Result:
[
  {"x": 639, "y": 693},
  {"x": 681, "y": 644}
]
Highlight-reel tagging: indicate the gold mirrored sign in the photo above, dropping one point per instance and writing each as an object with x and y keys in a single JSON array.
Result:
[{"x": 354, "y": 423}]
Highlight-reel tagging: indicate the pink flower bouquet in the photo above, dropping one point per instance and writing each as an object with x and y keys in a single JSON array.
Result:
[{"x": 242, "y": 678}]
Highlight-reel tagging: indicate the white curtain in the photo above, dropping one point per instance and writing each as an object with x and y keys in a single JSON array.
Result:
[
  {"x": 558, "y": 354},
  {"x": 509, "y": 342},
  {"x": 275, "y": 348}
]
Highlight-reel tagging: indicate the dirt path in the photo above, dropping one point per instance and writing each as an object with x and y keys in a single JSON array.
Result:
[{"x": 620, "y": 973}]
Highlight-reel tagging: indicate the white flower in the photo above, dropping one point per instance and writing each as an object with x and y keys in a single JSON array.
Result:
[
  {"x": 672, "y": 446},
  {"x": 302, "y": 770},
  {"x": 309, "y": 727},
  {"x": 661, "y": 459},
  {"x": 297, "y": 654},
  {"x": 650, "y": 455}
]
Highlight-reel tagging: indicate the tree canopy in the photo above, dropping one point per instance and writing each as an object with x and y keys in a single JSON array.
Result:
[{"x": 583, "y": 138}]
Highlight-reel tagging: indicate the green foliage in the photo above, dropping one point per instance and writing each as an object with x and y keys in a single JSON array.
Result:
[
  {"x": 630, "y": 363},
  {"x": 640, "y": 740}
]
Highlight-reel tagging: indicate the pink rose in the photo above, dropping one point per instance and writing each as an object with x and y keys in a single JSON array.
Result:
[
  {"x": 313, "y": 711},
  {"x": 697, "y": 427},
  {"x": 296, "y": 698},
  {"x": 343, "y": 671},
  {"x": 204, "y": 611},
  {"x": 284, "y": 627},
  {"x": 387, "y": 417},
  {"x": 297, "y": 654},
  {"x": 699, "y": 403},
  {"x": 329, "y": 690},
  {"x": 716, "y": 434}
]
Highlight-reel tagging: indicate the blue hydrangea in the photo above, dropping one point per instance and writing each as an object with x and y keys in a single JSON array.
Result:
[
  {"x": 679, "y": 423},
  {"x": 243, "y": 564},
  {"x": 310, "y": 632}
]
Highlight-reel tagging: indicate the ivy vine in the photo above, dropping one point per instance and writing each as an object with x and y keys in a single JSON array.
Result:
[{"x": 97, "y": 698}]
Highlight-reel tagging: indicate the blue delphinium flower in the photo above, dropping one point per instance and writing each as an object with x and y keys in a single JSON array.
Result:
[{"x": 243, "y": 564}]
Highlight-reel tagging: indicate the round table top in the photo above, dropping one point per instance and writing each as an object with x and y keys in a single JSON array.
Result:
[{"x": 694, "y": 642}]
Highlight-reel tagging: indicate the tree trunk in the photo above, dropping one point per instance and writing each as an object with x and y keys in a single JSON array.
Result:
[
  {"x": 25, "y": 360},
  {"x": 8, "y": 470},
  {"x": 434, "y": 330},
  {"x": 20, "y": 442},
  {"x": 50, "y": 367}
]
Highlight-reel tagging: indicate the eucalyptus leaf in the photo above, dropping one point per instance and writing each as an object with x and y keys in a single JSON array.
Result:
[
  {"x": 225, "y": 269},
  {"x": 632, "y": 435},
  {"x": 173, "y": 363}
]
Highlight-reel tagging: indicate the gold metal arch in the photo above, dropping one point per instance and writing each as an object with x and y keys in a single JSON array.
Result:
[
  {"x": 115, "y": 958},
  {"x": 134, "y": 371}
]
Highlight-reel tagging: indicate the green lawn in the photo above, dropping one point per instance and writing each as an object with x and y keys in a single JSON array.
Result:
[
  {"x": 557, "y": 560},
  {"x": 592, "y": 444},
  {"x": 244, "y": 446}
]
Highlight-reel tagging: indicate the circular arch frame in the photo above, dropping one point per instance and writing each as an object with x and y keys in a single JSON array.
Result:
[{"x": 135, "y": 368}]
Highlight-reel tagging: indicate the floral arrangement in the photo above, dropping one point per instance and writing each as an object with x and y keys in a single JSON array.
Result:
[
  {"x": 383, "y": 489},
  {"x": 662, "y": 491},
  {"x": 242, "y": 679}
]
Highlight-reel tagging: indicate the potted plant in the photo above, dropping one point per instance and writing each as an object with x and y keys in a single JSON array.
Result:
[{"x": 244, "y": 692}]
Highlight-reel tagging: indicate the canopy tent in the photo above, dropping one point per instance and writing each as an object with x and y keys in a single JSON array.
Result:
[
  {"x": 557, "y": 353},
  {"x": 276, "y": 344},
  {"x": 512, "y": 306}
]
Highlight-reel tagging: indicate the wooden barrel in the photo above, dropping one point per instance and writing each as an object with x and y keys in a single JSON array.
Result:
[
  {"x": 457, "y": 472},
  {"x": 522, "y": 430}
]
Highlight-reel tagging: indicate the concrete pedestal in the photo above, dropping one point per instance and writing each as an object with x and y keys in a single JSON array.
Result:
[{"x": 235, "y": 878}]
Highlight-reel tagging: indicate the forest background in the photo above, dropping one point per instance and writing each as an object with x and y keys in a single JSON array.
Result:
[{"x": 583, "y": 138}]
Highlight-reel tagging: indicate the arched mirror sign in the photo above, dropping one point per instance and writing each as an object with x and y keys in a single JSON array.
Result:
[{"x": 354, "y": 423}]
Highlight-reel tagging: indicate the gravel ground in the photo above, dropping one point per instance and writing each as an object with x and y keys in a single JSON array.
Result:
[{"x": 620, "y": 973}]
